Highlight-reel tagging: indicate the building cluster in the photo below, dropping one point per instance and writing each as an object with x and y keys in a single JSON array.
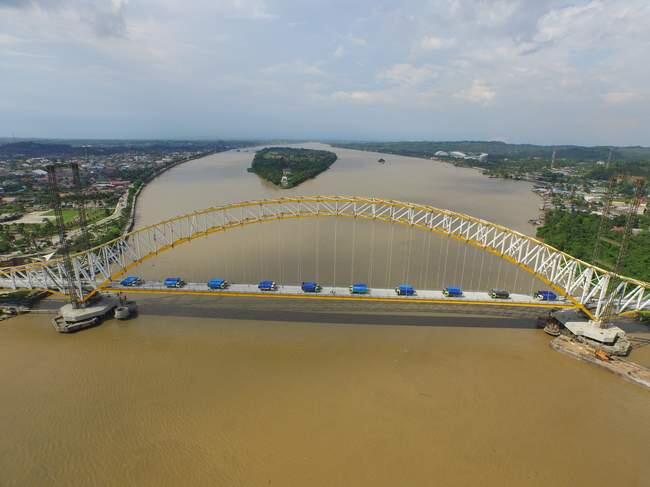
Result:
[
  {"x": 588, "y": 197},
  {"x": 25, "y": 180},
  {"x": 441, "y": 154},
  {"x": 592, "y": 199},
  {"x": 106, "y": 178}
]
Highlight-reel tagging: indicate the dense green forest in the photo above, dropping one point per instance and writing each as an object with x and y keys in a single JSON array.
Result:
[
  {"x": 302, "y": 164},
  {"x": 574, "y": 233}
]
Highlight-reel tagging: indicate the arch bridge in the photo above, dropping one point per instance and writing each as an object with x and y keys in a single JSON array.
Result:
[{"x": 590, "y": 288}]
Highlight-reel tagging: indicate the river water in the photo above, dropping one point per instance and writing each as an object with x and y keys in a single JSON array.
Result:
[
  {"x": 208, "y": 391},
  {"x": 340, "y": 251}
]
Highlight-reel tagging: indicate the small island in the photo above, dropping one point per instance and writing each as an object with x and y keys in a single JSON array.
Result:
[{"x": 288, "y": 167}]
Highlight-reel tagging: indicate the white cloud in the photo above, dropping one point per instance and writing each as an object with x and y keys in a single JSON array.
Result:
[
  {"x": 595, "y": 22},
  {"x": 573, "y": 21},
  {"x": 244, "y": 9},
  {"x": 494, "y": 13},
  {"x": 294, "y": 68},
  {"x": 108, "y": 18},
  {"x": 361, "y": 97},
  {"x": 578, "y": 57},
  {"x": 430, "y": 43},
  {"x": 7, "y": 40},
  {"x": 407, "y": 74},
  {"x": 480, "y": 92},
  {"x": 492, "y": 52},
  {"x": 357, "y": 41},
  {"x": 622, "y": 97}
]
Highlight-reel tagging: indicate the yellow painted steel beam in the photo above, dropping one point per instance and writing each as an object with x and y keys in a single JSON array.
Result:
[
  {"x": 222, "y": 228},
  {"x": 188, "y": 292},
  {"x": 307, "y": 214}
]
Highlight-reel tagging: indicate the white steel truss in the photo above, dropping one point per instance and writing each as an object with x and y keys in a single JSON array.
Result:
[{"x": 589, "y": 287}]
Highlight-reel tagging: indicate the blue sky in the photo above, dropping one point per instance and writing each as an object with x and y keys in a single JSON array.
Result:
[{"x": 542, "y": 71}]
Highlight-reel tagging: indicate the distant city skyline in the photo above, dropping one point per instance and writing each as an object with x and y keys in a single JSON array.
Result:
[{"x": 545, "y": 72}]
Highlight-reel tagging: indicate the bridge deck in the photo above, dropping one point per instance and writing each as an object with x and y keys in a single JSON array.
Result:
[
  {"x": 469, "y": 297},
  {"x": 588, "y": 287}
]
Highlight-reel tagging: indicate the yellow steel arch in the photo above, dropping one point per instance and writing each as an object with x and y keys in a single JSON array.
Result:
[
  {"x": 329, "y": 206},
  {"x": 123, "y": 271}
]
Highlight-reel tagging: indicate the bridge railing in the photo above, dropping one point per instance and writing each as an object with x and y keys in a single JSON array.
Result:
[{"x": 588, "y": 287}]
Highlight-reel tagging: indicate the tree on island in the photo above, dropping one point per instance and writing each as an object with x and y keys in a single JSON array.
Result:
[{"x": 288, "y": 167}]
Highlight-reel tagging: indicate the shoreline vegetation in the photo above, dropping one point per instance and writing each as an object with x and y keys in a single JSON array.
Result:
[
  {"x": 138, "y": 186},
  {"x": 135, "y": 190},
  {"x": 123, "y": 223},
  {"x": 120, "y": 226},
  {"x": 513, "y": 161},
  {"x": 288, "y": 167},
  {"x": 574, "y": 233},
  {"x": 112, "y": 174},
  {"x": 570, "y": 180}
]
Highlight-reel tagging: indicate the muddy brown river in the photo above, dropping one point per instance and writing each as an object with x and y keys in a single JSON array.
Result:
[{"x": 246, "y": 392}]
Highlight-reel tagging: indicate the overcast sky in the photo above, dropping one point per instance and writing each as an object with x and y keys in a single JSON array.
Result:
[{"x": 542, "y": 71}]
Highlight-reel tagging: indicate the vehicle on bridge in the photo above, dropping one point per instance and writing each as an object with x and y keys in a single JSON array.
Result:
[
  {"x": 546, "y": 296},
  {"x": 311, "y": 287},
  {"x": 218, "y": 284},
  {"x": 174, "y": 282},
  {"x": 591, "y": 289},
  {"x": 405, "y": 290},
  {"x": 267, "y": 286},
  {"x": 132, "y": 281},
  {"x": 496, "y": 293},
  {"x": 452, "y": 292},
  {"x": 359, "y": 288}
]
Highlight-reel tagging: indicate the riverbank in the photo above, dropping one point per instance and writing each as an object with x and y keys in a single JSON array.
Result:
[
  {"x": 134, "y": 192},
  {"x": 188, "y": 393},
  {"x": 455, "y": 162},
  {"x": 132, "y": 200}
]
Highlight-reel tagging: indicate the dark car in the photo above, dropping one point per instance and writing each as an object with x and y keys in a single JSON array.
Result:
[{"x": 499, "y": 294}]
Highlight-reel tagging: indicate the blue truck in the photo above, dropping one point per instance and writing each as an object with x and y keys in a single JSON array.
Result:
[
  {"x": 359, "y": 288},
  {"x": 452, "y": 292},
  {"x": 218, "y": 284},
  {"x": 545, "y": 296},
  {"x": 131, "y": 281},
  {"x": 405, "y": 290},
  {"x": 174, "y": 282},
  {"x": 267, "y": 286},
  {"x": 311, "y": 287}
]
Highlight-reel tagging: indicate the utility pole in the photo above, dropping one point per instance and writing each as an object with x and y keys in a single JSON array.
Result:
[
  {"x": 553, "y": 159},
  {"x": 609, "y": 158},
  {"x": 623, "y": 245},
  {"x": 639, "y": 192},
  {"x": 81, "y": 205},
  {"x": 603, "y": 228},
  {"x": 55, "y": 201}
]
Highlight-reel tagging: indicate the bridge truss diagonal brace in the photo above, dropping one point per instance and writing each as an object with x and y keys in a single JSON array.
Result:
[{"x": 582, "y": 283}]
